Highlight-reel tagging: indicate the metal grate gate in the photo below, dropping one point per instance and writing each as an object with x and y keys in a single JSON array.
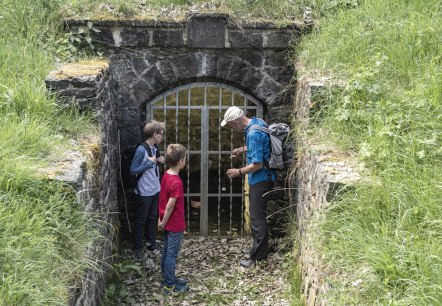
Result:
[{"x": 192, "y": 114}]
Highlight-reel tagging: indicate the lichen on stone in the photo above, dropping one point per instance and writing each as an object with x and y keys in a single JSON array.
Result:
[{"x": 82, "y": 68}]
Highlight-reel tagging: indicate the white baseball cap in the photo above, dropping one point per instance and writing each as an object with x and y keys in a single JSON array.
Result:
[{"x": 231, "y": 114}]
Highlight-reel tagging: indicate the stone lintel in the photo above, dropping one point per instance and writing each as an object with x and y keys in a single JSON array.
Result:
[
  {"x": 201, "y": 30},
  {"x": 207, "y": 31}
]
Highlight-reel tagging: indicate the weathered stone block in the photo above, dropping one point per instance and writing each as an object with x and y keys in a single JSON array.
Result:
[
  {"x": 54, "y": 84},
  {"x": 135, "y": 37},
  {"x": 187, "y": 65},
  {"x": 276, "y": 59},
  {"x": 207, "y": 31},
  {"x": 224, "y": 64},
  {"x": 168, "y": 37},
  {"x": 104, "y": 38},
  {"x": 244, "y": 39},
  {"x": 277, "y": 40},
  {"x": 238, "y": 71},
  {"x": 280, "y": 75},
  {"x": 139, "y": 65},
  {"x": 78, "y": 93},
  {"x": 268, "y": 90},
  {"x": 252, "y": 79},
  {"x": 141, "y": 91},
  {"x": 211, "y": 62},
  {"x": 154, "y": 79},
  {"x": 83, "y": 81},
  {"x": 167, "y": 71},
  {"x": 253, "y": 58}
]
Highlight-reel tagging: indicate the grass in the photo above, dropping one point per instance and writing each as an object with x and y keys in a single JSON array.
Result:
[
  {"x": 280, "y": 11},
  {"x": 43, "y": 233},
  {"x": 386, "y": 238},
  {"x": 383, "y": 240}
]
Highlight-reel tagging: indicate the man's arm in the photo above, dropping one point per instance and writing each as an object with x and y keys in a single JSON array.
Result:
[
  {"x": 234, "y": 172},
  {"x": 137, "y": 166},
  {"x": 169, "y": 208},
  {"x": 238, "y": 151}
]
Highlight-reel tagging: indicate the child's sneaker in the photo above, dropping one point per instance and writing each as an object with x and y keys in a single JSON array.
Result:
[
  {"x": 179, "y": 281},
  {"x": 176, "y": 288}
]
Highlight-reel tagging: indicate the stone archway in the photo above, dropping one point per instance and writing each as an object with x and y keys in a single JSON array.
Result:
[{"x": 148, "y": 58}]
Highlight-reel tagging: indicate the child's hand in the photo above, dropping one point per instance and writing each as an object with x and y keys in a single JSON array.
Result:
[
  {"x": 152, "y": 158},
  {"x": 160, "y": 224}
]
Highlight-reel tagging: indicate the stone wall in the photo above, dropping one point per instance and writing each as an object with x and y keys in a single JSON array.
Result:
[
  {"x": 321, "y": 173},
  {"x": 150, "y": 57},
  {"x": 94, "y": 176}
]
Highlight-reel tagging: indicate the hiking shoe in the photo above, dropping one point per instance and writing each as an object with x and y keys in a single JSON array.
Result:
[
  {"x": 247, "y": 251},
  {"x": 154, "y": 249},
  {"x": 247, "y": 263},
  {"x": 176, "y": 288},
  {"x": 139, "y": 253}
]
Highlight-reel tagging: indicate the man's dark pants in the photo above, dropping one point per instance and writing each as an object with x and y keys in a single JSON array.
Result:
[
  {"x": 258, "y": 214},
  {"x": 146, "y": 220}
]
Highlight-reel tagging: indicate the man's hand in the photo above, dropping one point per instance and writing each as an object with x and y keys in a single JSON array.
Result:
[
  {"x": 237, "y": 151},
  {"x": 161, "y": 159},
  {"x": 233, "y": 172}
]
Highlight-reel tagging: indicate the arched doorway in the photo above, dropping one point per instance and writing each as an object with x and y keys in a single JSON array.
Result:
[{"x": 192, "y": 114}]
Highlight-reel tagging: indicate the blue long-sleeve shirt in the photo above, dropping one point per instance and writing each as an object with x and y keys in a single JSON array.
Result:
[
  {"x": 149, "y": 183},
  {"x": 258, "y": 151}
]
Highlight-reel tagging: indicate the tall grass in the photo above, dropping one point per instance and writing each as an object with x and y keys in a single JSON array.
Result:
[
  {"x": 43, "y": 234},
  {"x": 386, "y": 237},
  {"x": 277, "y": 10}
]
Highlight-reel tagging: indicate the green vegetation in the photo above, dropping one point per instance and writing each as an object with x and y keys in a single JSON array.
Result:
[
  {"x": 384, "y": 240},
  {"x": 43, "y": 234},
  {"x": 275, "y": 10}
]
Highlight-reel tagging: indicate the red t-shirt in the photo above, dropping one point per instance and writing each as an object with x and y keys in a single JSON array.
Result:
[{"x": 172, "y": 187}]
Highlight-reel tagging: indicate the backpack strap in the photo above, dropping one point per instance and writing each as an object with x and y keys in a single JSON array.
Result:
[
  {"x": 149, "y": 153},
  {"x": 259, "y": 128},
  {"x": 265, "y": 130}
]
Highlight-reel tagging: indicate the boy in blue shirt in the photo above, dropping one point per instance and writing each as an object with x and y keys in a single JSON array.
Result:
[{"x": 145, "y": 164}]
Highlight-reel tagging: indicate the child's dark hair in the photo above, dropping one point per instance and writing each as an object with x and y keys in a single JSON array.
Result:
[{"x": 174, "y": 153}]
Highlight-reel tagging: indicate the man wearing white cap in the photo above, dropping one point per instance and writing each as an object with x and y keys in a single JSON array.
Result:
[{"x": 257, "y": 149}]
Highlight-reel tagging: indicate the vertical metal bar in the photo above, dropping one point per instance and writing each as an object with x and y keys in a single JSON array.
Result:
[
  {"x": 204, "y": 213},
  {"x": 165, "y": 125},
  {"x": 188, "y": 159},
  {"x": 219, "y": 161},
  {"x": 176, "y": 116},
  {"x": 243, "y": 181},
  {"x": 231, "y": 166}
]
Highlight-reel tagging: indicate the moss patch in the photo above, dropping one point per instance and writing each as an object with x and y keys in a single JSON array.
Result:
[{"x": 82, "y": 68}]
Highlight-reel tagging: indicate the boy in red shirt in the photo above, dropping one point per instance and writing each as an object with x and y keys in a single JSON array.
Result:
[{"x": 172, "y": 221}]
